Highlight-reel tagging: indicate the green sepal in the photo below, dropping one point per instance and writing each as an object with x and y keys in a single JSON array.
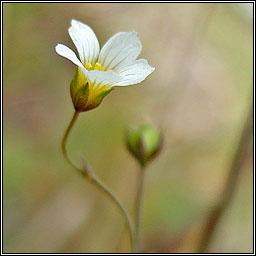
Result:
[
  {"x": 79, "y": 91},
  {"x": 95, "y": 102},
  {"x": 144, "y": 143},
  {"x": 74, "y": 84},
  {"x": 151, "y": 139},
  {"x": 81, "y": 98}
]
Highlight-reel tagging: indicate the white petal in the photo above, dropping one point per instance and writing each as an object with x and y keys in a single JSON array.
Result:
[
  {"x": 65, "y": 52},
  {"x": 85, "y": 41},
  {"x": 135, "y": 73},
  {"x": 120, "y": 49},
  {"x": 101, "y": 78}
]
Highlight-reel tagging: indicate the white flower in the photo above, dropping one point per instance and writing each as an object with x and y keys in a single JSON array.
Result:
[{"x": 114, "y": 65}]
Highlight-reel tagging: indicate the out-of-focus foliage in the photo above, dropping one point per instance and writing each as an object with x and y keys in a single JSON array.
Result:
[{"x": 198, "y": 95}]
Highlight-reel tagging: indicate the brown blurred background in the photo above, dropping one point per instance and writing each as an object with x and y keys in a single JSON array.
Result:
[{"x": 199, "y": 95}]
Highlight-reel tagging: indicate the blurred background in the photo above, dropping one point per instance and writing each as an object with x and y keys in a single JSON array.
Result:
[{"x": 199, "y": 95}]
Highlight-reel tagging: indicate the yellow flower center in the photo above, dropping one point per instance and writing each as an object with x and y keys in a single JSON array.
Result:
[{"x": 97, "y": 66}]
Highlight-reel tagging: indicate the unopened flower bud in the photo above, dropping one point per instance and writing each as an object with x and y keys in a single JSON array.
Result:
[{"x": 144, "y": 143}]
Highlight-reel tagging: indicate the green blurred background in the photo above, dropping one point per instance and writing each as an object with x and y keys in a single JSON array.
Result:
[{"x": 198, "y": 95}]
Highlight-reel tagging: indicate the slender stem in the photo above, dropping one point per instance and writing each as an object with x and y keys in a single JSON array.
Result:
[
  {"x": 88, "y": 173},
  {"x": 138, "y": 207},
  {"x": 231, "y": 184},
  {"x": 64, "y": 140},
  {"x": 122, "y": 209}
]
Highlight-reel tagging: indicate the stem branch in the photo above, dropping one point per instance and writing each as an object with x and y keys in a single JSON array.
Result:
[{"x": 89, "y": 174}]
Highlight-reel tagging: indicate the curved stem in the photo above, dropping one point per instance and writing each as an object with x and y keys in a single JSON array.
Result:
[
  {"x": 64, "y": 141},
  {"x": 86, "y": 172},
  {"x": 138, "y": 207},
  {"x": 122, "y": 209}
]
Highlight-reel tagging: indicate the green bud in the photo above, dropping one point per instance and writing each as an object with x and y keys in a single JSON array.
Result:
[{"x": 144, "y": 143}]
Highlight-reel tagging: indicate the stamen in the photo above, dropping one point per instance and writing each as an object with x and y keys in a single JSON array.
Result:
[
  {"x": 98, "y": 67},
  {"x": 88, "y": 66}
]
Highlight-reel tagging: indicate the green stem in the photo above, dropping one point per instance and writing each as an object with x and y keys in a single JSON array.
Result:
[
  {"x": 138, "y": 207},
  {"x": 122, "y": 209},
  {"x": 86, "y": 172},
  {"x": 64, "y": 141}
]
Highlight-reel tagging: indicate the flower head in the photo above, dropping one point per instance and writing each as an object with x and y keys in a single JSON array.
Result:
[{"x": 99, "y": 71}]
